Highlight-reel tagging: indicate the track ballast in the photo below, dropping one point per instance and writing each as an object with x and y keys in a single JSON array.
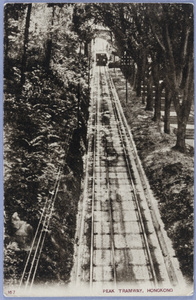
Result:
[{"x": 119, "y": 238}]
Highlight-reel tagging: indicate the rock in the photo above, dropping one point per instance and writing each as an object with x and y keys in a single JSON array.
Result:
[{"x": 23, "y": 232}]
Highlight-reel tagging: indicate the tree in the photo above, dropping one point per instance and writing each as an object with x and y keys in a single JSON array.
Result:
[
  {"x": 40, "y": 127},
  {"x": 14, "y": 17},
  {"x": 82, "y": 26},
  {"x": 165, "y": 32},
  {"x": 25, "y": 44},
  {"x": 172, "y": 26}
]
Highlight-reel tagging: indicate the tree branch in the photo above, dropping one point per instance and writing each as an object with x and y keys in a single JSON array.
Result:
[
  {"x": 156, "y": 36},
  {"x": 184, "y": 51}
]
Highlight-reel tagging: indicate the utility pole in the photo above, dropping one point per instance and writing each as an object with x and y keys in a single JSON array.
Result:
[
  {"x": 125, "y": 62},
  {"x": 126, "y": 75}
]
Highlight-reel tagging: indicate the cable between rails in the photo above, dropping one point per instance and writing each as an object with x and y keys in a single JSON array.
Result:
[
  {"x": 111, "y": 218},
  {"x": 118, "y": 117},
  {"x": 93, "y": 183}
]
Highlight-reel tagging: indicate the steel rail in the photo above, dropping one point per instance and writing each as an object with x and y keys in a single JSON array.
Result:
[
  {"x": 93, "y": 186},
  {"x": 96, "y": 154},
  {"x": 169, "y": 255},
  {"x": 111, "y": 226},
  {"x": 122, "y": 131},
  {"x": 85, "y": 192},
  {"x": 111, "y": 220}
]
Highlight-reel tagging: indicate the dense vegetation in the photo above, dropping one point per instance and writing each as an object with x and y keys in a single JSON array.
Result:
[
  {"x": 46, "y": 98},
  {"x": 158, "y": 38},
  {"x": 45, "y": 113}
]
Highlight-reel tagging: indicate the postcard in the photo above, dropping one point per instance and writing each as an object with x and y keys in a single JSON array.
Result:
[{"x": 98, "y": 141}]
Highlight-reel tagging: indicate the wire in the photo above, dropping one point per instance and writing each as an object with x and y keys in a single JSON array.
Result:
[
  {"x": 49, "y": 218},
  {"x": 50, "y": 203}
]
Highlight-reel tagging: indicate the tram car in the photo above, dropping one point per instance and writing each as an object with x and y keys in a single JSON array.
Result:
[{"x": 101, "y": 59}]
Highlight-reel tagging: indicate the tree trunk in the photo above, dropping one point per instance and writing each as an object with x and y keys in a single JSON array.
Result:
[
  {"x": 182, "y": 117},
  {"x": 48, "y": 54},
  {"x": 139, "y": 79},
  {"x": 157, "y": 111},
  {"x": 6, "y": 40},
  {"x": 183, "y": 111},
  {"x": 144, "y": 70},
  {"x": 86, "y": 49},
  {"x": 26, "y": 37},
  {"x": 149, "y": 100},
  {"x": 131, "y": 74},
  {"x": 158, "y": 90},
  {"x": 134, "y": 76},
  {"x": 144, "y": 92},
  {"x": 181, "y": 134},
  {"x": 167, "y": 111},
  {"x": 49, "y": 43}
]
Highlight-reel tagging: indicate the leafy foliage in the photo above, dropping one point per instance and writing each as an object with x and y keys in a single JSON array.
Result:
[
  {"x": 40, "y": 126},
  {"x": 159, "y": 39},
  {"x": 45, "y": 117}
]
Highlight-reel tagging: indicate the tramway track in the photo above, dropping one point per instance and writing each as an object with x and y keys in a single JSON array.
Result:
[
  {"x": 122, "y": 137},
  {"x": 170, "y": 261},
  {"x": 97, "y": 165},
  {"x": 126, "y": 244},
  {"x": 124, "y": 141}
]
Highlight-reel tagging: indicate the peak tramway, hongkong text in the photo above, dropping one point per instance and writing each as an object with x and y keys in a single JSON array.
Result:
[{"x": 122, "y": 291}]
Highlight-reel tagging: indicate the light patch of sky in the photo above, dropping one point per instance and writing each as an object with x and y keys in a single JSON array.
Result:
[
  {"x": 41, "y": 16},
  {"x": 100, "y": 45}
]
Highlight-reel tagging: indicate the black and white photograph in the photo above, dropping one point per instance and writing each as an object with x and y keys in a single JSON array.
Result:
[{"x": 98, "y": 149}]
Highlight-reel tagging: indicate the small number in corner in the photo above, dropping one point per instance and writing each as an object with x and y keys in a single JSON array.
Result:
[{"x": 11, "y": 292}]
